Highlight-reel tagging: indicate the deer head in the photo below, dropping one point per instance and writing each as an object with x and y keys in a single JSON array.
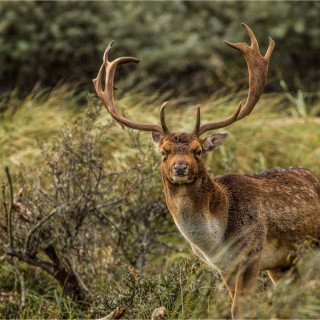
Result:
[{"x": 181, "y": 152}]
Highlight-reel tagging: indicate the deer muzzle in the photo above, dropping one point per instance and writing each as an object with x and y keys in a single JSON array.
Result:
[
  {"x": 181, "y": 168},
  {"x": 180, "y": 172}
]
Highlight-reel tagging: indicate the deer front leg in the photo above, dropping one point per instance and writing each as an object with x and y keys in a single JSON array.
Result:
[
  {"x": 245, "y": 281},
  {"x": 230, "y": 281}
]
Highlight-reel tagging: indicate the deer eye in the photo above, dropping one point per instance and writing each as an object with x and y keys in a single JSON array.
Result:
[
  {"x": 164, "y": 155},
  {"x": 198, "y": 153}
]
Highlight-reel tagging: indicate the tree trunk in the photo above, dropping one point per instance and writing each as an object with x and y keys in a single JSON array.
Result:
[{"x": 67, "y": 280}]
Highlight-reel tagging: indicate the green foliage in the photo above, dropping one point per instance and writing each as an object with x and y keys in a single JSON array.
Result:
[
  {"x": 179, "y": 43},
  {"x": 190, "y": 291},
  {"x": 140, "y": 293},
  {"x": 292, "y": 298},
  {"x": 39, "y": 40}
]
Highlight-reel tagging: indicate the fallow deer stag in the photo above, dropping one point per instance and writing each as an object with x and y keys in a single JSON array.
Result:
[{"x": 237, "y": 223}]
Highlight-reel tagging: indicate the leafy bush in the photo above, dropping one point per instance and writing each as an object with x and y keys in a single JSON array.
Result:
[
  {"x": 39, "y": 40},
  {"x": 177, "y": 290},
  {"x": 191, "y": 291},
  {"x": 179, "y": 43},
  {"x": 77, "y": 218}
]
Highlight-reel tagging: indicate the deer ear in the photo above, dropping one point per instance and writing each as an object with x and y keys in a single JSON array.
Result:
[
  {"x": 214, "y": 141},
  {"x": 156, "y": 137}
]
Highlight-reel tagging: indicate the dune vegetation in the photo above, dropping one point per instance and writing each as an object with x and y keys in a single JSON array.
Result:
[
  {"x": 120, "y": 239},
  {"x": 84, "y": 227}
]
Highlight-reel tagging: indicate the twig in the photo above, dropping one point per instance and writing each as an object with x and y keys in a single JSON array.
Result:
[
  {"x": 181, "y": 289},
  {"x": 125, "y": 195},
  {"x": 10, "y": 210},
  {"x": 130, "y": 270},
  {"x": 4, "y": 203},
  {"x": 115, "y": 314},
  {"x": 111, "y": 222},
  {"x": 48, "y": 197},
  {"x": 76, "y": 274},
  {"x": 38, "y": 225},
  {"x": 22, "y": 282}
]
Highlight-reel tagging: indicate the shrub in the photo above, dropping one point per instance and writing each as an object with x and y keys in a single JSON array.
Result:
[
  {"x": 179, "y": 43},
  {"x": 77, "y": 218}
]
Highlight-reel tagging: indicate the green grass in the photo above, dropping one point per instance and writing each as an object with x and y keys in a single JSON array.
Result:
[{"x": 282, "y": 131}]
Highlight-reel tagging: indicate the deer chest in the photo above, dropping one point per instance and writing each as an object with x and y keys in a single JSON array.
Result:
[{"x": 199, "y": 227}]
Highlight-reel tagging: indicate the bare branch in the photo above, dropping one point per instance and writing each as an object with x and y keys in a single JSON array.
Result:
[
  {"x": 4, "y": 203},
  {"x": 115, "y": 314},
  {"x": 79, "y": 279},
  {"x": 37, "y": 226},
  {"x": 9, "y": 222},
  {"x": 111, "y": 222},
  {"x": 22, "y": 282}
]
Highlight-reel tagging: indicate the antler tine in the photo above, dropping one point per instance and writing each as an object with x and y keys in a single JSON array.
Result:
[
  {"x": 197, "y": 124},
  {"x": 163, "y": 119},
  {"x": 270, "y": 49},
  {"x": 107, "y": 95},
  {"x": 106, "y": 53},
  {"x": 254, "y": 42},
  {"x": 258, "y": 70},
  {"x": 220, "y": 124}
]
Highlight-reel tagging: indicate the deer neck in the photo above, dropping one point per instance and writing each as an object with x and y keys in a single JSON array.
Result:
[
  {"x": 200, "y": 211},
  {"x": 198, "y": 200}
]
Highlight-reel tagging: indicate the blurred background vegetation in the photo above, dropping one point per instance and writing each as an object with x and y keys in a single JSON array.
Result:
[
  {"x": 179, "y": 43},
  {"x": 90, "y": 228}
]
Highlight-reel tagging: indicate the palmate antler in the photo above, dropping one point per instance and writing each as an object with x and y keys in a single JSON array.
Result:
[{"x": 258, "y": 70}]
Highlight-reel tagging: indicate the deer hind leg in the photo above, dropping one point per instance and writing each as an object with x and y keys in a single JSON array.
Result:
[
  {"x": 276, "y": 274},
  {"x": 245, "y": 281}
]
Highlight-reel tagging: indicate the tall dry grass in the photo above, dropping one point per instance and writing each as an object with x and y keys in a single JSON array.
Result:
[{"x": 282, "y": 131}]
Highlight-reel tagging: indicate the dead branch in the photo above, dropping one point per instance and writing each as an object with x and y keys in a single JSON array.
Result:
[
  {"x": 115, "y": 314},
  {"x": 80, "y": 281},
  {"x": 37, "y": 226},
  {"x": 4, "y": 204},
  {"x": 22, "y": 281},
  {"x": 9, "y": 221}
]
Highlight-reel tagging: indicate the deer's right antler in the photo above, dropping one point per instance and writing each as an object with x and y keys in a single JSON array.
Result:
[
  {"x": 258, "y": 70},
  {"x": 107, "y": 95}
]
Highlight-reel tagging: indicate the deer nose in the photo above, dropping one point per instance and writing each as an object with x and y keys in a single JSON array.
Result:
[{"x": 180, "y": 168}]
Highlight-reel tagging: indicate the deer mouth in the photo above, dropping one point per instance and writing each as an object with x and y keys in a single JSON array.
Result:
[{"x": 178, "y": 179}]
